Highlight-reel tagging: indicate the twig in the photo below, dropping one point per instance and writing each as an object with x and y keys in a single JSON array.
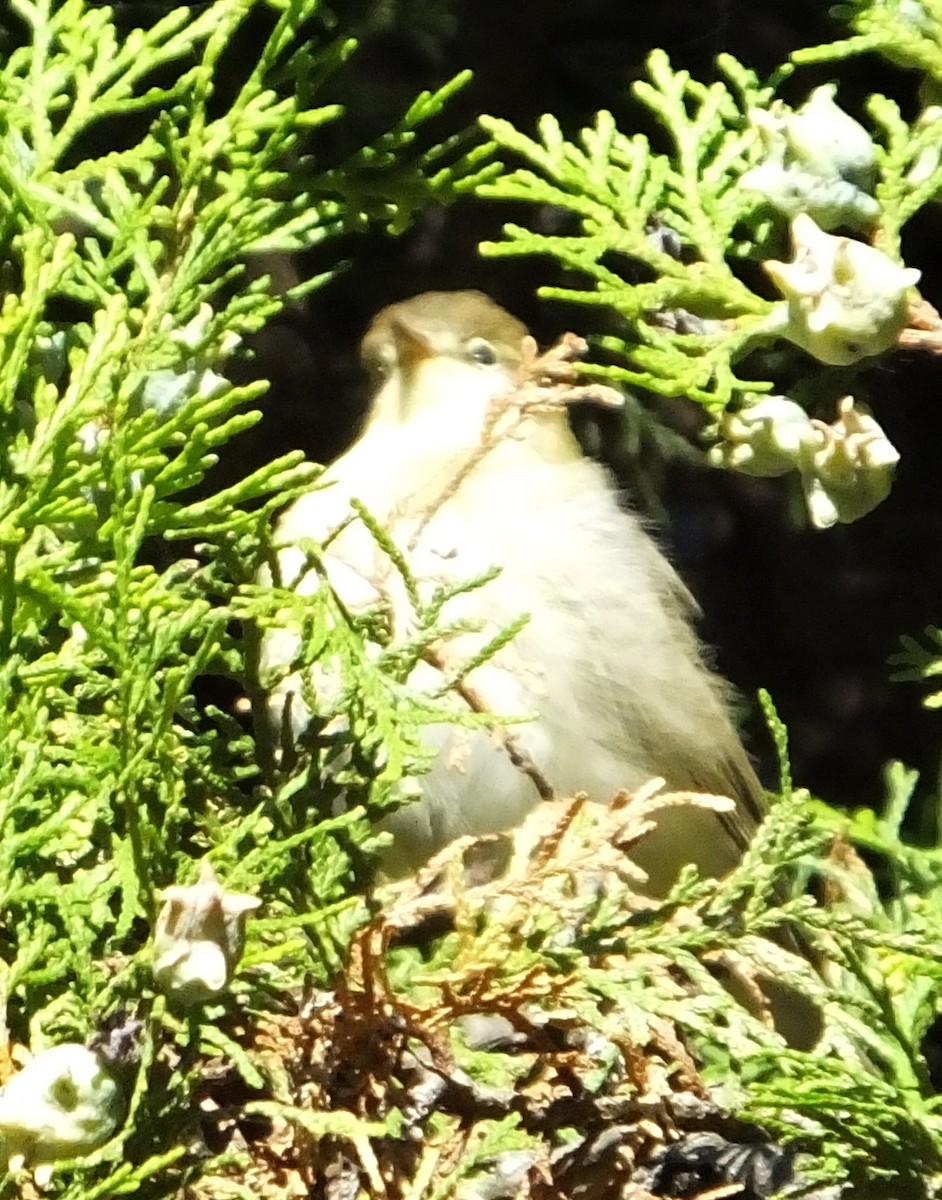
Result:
[
  {"x": 475, "y": 701},
  {"x": 545, "y": 383},
  {"x": 924, "y": 331}
]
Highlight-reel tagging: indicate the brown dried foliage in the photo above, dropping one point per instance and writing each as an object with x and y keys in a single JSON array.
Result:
[{"x": 369, "y": 1048}]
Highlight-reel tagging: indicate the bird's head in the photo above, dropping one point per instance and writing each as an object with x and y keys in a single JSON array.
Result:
[
  {"x": 439, "y": 361},
  {"x": 441, "y": 358}
]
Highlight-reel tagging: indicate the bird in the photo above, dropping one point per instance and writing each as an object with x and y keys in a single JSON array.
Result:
[{"x": 604, "y": 685}]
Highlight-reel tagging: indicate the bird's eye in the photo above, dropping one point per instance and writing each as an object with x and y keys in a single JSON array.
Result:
[{"x": 481, "y": 352}]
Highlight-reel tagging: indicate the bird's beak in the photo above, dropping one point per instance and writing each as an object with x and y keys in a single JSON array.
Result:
[{"x": 412, "y": 347}]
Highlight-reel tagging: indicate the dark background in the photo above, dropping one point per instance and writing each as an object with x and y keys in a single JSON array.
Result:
[{"x": 812, "y": 616}]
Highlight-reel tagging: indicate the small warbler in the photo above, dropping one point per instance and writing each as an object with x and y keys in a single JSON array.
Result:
[{"x": 607, "y": 674}]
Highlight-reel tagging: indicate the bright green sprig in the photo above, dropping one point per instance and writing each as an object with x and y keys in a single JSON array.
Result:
[
  {"x": 910, "y": 168},
  {"x": 393, "y": 178},
  {"x": 866, "y": 1102},
  {"x": 920, "y": 662},
  {"x": 909, "y": 32},
  {"x": 662, "y": 238},
  {"x": 128, "y": 577},
  {"x": 688, "y": 313}
]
